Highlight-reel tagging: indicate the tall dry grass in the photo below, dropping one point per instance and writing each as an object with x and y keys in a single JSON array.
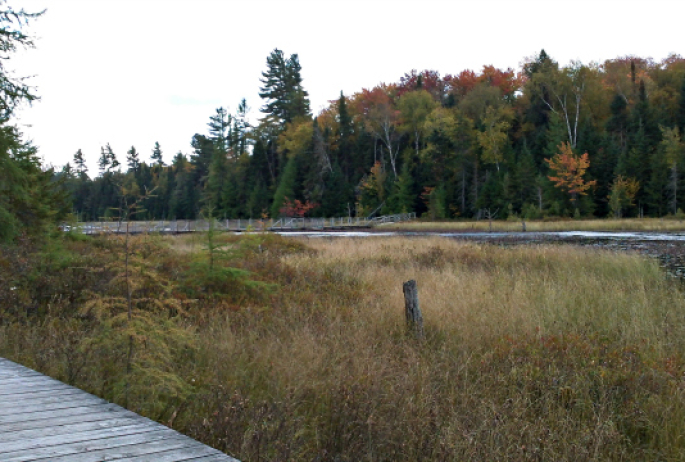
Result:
[
  {"x": 609, "y": 225},
  {"x": 531, "y": 353}
]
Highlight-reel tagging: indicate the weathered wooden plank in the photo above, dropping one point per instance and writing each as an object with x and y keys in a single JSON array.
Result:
[
  {"x": 147, "y": 452},
  {"x": 32, "y": 388},
  {"x": 118, "y": 445},
  {"x": 66, "y": 428},
  {"x": 15, "y": 388},
  {"x": 6, "y": 372},
  {"x": 42, "y": 419},
  {"x": 61, "y": 420},
  {"x": 38, "y": 396},
  {"x": 78, "y": 437},
  {"x": 29, "y": 407},
  {"x": 73, "y": 412},
  {"x": 183, "y": 454},
  {"x": 28, "y": 380}
]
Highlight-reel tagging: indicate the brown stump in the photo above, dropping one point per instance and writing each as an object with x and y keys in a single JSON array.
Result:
[{"x": 411, "y": 308}]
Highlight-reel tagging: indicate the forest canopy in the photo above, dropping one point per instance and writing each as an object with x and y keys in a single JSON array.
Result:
[{"x": 441, "y": 146}]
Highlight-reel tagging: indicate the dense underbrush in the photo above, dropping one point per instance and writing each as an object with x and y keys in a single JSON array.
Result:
[{"x": 275, "y": 349}]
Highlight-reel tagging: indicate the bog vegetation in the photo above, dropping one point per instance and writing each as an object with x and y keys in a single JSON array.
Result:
[
  {"x": 289, "y": 350},
  {"x": 278, "y": 349}
]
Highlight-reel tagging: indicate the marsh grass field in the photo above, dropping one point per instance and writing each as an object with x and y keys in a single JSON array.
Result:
[
  {"x": 534, "y": 352},
  {"x": 669, "y": 224}
]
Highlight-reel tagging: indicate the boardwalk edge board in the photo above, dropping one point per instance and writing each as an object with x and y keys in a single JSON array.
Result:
[{"x": 44, "y": 419}]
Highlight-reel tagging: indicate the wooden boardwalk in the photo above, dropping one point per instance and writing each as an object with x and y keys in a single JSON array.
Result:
[
  {"x": 239, "y": 225},
  {"x": 42, "y": 419}
]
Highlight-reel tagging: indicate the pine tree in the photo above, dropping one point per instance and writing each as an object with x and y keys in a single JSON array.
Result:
[
  {"x": 219, "y": 129},
  {"x": 104, "y": 161},
  {"x": 111, "y": 158},
  {"x": 239, "y": 132},
  {"x": 133, "y": 160},
  {"x": 157, "y": 155},
  {"x": 299, "y": 98},
  {"x": 285, "y": 97},
  {"x": 80, "y": 163}
]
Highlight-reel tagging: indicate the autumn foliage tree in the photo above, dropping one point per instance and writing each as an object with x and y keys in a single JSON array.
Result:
[
  {"x": 569, "y": 169},
  {"x": 296, "y": 208}
]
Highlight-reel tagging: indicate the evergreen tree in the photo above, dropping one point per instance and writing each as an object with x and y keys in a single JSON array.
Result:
[
  {"x": 219, "y": 129},
  {"x": 103, "y": 161},
  {"x": 345, "y": 142},
  {"x": 285, "y": 97},
  {"x": 183, "y": 200},
  {"x": 401, "y": 199},
  {"x": 299, "y": 98},
  {"x": 157, "y": 155},
  {"x": 108, "y": 160},
  {"x": 286, "y": 187},
  {"x": 338, "y": 197},
  {"x": 618, "y": 122},
  {"x": 80, "y": 163},
  {"x": 200, "y": 160},
  {"x": 133, "y": 160},
  {"x": 29, "y": 197},
  {"x": 239, "y": 131},
  {"x": 258, "y": 201},
  {"x": 537, "y": 113},
  {"x": 523, "y": 180}
]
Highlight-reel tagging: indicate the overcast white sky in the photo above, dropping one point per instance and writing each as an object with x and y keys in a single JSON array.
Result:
[{"x": 135, "y": 72}]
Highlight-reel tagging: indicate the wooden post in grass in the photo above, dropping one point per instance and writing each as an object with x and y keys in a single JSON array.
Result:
[{"x": 411, "y": 308}]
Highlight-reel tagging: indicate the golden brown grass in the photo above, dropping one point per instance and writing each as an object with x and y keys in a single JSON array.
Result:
[
  {"x": 531, "y": 353},
  {"x": 625, "y": 224}
]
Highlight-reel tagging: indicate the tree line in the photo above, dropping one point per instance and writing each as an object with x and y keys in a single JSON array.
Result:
[{"x": 549, "y": 140}]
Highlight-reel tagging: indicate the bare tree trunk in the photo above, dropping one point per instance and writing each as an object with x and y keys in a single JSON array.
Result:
[
  {"x": 674, "y": 185},
  {"x": 416, "y": 142},
  {"x": 463, "y": 190},
  {"x": 540, "y": 198},
  {"x": 475, "y": 182}
]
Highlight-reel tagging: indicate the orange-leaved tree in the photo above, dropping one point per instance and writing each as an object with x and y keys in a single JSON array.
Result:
[{"x": 569, "y": 169}]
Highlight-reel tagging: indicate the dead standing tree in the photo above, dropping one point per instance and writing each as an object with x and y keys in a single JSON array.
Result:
[{"x": 412, "y": 310}]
